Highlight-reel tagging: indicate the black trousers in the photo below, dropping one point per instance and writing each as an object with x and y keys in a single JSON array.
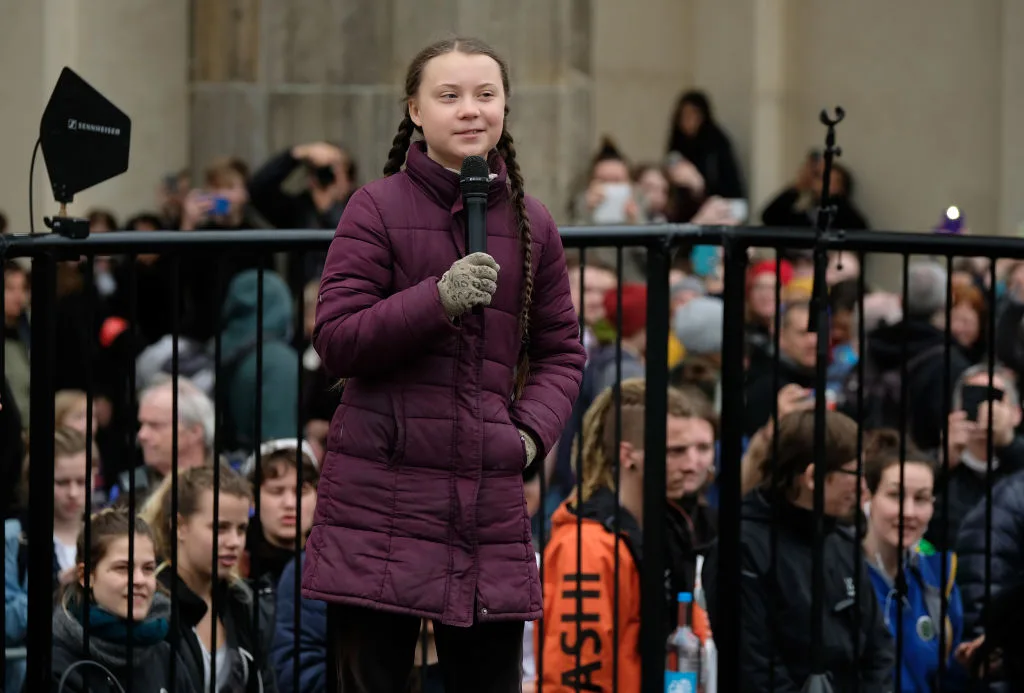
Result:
[{"x": 375, "y": 652}]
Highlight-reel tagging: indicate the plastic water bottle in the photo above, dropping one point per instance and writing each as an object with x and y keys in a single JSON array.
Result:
[
  {"x": 702, "y": 628},
  {"x": 684, "y": 652},
  {"x": 709, "y": 670}
]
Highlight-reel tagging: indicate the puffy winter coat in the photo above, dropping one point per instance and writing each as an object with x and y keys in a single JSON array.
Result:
[{"x": 420, "y": 507}]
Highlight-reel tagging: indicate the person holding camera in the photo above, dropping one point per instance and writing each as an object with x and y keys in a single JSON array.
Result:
[
  {"x": 965, "y": 480},
  {"x": 330, "y": 179}
]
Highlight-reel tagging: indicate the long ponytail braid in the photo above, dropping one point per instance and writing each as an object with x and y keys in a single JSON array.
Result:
[
  {"x": 506, "y": 148},
  {"x": 400, "y": 145}
]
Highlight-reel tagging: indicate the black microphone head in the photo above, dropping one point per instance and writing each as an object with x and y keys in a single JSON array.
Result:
[{"x": 475, "y": 176}]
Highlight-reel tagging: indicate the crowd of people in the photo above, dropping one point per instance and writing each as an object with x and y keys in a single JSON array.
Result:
[{"x": 937, "y": 561}]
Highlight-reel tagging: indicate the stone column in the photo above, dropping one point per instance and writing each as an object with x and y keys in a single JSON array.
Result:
[
  {"x": 268, "y": 75},
  {"x": 135, "y": 52},
  {"x": 1011, "y": 173},
  {"x": 768, "y": 169}
]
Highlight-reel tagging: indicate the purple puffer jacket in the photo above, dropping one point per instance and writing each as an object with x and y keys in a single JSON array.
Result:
[{"x": 420, "y": 507}]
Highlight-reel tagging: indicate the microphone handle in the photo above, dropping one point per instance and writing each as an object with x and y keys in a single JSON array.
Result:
[
  {"x": 476, "y": 223},
  {"x": 476, "y": 229}
]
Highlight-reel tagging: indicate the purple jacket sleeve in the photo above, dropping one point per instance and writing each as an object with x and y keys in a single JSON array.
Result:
[
  {"x": 362, "y": 328},
  {"x": 556, "y": 353}
]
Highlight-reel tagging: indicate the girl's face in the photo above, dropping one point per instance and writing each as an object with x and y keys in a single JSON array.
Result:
[
  {"x": 109, "y": 579},
  {"x": 690, "y": 119},
  {"x": 761, "y": 298},
  {"x": 654, "y": 188},
  {"x": 965, "y": 324},
  {"x": 460, "y": 106},
  {"x": 70, "y": 488},
  {"x": 279, "y": 509},
  {"x": 610, "y": 171},
  {"x": 918, "y": 504},
  {"x": 195, "y": 534}
]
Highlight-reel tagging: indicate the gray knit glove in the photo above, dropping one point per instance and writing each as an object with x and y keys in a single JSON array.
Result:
[
  {"x": 471, "y": 281},
  {"x": 529, "y": 447}
]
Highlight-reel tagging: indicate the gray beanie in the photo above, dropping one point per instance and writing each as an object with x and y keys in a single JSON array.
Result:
[
  {"x": 698, "y": 326},
  {"x": 692, "y": 284}
]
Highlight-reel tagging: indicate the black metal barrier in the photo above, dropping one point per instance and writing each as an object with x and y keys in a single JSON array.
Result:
[{"x": 660, "y": 243}]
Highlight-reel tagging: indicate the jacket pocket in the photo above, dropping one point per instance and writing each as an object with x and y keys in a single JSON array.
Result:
[{"x": 398, "y": 416}]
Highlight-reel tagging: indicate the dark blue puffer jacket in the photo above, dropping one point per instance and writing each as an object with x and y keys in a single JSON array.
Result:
[
  {"x": 311, "y": 641},
  {"x": 1007, "y": 568}
]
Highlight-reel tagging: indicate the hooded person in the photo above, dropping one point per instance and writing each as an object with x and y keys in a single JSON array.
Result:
[{"x": 280, "y": 367}]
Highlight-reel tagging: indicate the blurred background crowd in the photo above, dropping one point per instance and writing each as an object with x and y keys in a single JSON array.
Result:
[{"x": 115, "y": 322}]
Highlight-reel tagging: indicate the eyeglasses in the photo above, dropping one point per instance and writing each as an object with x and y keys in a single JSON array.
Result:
[{"x": 846, "y": 472}]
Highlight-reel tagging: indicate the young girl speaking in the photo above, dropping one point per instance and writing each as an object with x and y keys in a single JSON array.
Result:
[{"x": 460, "y": 370}]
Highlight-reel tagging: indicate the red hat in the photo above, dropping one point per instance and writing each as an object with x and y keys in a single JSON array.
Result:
[
  {"x": 634, "y": 308},
  {"x": 111, "y": 329},
  {"x": 768, "y": 267}
]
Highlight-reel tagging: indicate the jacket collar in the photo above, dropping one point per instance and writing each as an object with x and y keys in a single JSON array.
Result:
[{"x": 442, "y": 185}]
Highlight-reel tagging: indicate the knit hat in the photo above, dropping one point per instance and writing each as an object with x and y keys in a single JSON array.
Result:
[
  {"x": 768, "y": 267},
  {"x": 688, "y": 284},
  {"x": 634, "y": 308},
  {"x": 798, "y": 289},
  {"x": 698, "y": 325}
]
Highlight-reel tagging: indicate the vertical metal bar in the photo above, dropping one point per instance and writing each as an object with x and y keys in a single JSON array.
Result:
[
  {"x": 87, "y": 529},
  {"x": 653, "y": 616},
  {"x": 728, "y": 624},
  {"x": 254, "y": 558},
  {"x": 819, "y": 320},
  {"x": 904, "y": 433},
  {"x": 773, "y": 530},
  {"x": 616, "y": 467},
  {"x": 989, "y": 445},
  {"x": 579, "y": 504},
  {"x": 423, "y": 655},
  {"x": 132, "y": 331},
  {"x": 173, "y": 537},
  {"x": 542, "y": 517},
  {"x": 40, "y": 491},
  {"x": 218, "y": 441},
  {"x": 859, "y": 527},
  {"x": 332, "y": 653},
  {"x": 300, "y": 537},
  {"x": 3, "y": 379},
  {"x": 947, "y": 390}
]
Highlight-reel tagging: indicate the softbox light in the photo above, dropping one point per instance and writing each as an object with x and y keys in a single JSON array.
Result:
[{"x": 85, "y": 138}]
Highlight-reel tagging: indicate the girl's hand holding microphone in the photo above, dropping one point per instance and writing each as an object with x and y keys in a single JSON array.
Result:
[{"x": 471, "y": 281}]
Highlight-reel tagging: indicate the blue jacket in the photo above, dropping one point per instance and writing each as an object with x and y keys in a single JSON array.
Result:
[
  {"x": 311, "y": 639},
  {"x": 919, "y": 664},
  {"x": 15, "y": 605}
]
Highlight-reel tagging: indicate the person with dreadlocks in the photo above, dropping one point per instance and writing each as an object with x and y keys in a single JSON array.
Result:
[
  {"x": 582, "y": 658},
  {"x": 460, "y": 370}
]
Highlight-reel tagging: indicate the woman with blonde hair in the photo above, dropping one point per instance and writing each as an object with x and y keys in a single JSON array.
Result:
[{"x": 219, "y": 635}]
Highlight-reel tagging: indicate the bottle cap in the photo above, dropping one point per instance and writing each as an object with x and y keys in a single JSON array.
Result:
[{"x": 684, "y": 598}]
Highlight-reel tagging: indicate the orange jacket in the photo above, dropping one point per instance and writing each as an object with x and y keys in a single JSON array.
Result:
[{"x": 585, "y": 627}]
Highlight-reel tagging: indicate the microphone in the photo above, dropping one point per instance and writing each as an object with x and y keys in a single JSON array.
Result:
[{"x": 475, "y": 180}]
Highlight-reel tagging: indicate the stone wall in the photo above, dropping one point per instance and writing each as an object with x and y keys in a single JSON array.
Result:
[
  {"x": 135, "y": 52},
  {"x": 271, "y": 74}
]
